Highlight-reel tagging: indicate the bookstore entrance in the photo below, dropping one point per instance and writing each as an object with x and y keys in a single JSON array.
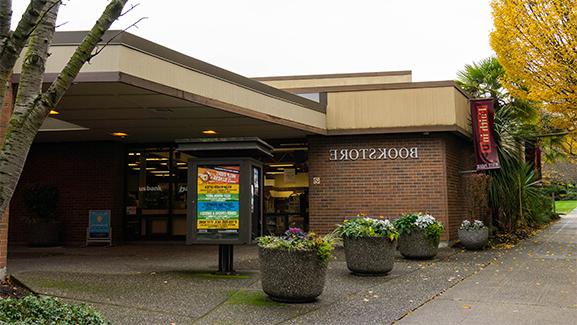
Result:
[
  {"x": 286, "y": 188},
  {"x": 156, "y": 191}
]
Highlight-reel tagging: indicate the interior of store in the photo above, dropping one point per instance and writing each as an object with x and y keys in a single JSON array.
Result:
[{"x": 156, "y": 187}]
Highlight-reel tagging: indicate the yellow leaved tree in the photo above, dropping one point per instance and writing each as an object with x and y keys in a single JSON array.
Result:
[{"x": 536, "y": 43}]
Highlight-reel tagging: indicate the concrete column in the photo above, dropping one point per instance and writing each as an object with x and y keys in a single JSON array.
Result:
[{"x": 5, "y": 113}]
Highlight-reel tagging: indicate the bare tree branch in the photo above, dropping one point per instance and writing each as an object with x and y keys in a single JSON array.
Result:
[
  {"x": 100, "y": 48},
  {"x": 130, "y": 9}
]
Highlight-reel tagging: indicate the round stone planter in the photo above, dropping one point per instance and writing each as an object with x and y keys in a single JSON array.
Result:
[
  {"x": 291, "y": 276},
  {"x": 416, "y": 245},
  {"x": 474, "y": 239},
  {"x": 369, "y": 255}
]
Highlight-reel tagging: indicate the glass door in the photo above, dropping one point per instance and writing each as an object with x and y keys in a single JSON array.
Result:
[
  {"x": 149, "y": 191},
  {"x": 180, "y": 173}
]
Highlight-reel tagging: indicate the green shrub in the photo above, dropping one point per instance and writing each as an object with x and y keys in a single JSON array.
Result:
[
  {"x": 361, "y": 227},
  {"x": 42, "y": 201},
  {"x": 33, "y": 310}
]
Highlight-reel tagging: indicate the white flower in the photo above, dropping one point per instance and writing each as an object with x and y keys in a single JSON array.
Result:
[
  {"x": 475, "y": 225},
  {"x": 423, "y": 221}
]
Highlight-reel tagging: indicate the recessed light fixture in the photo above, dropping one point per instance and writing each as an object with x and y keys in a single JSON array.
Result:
[
  {"x": 54, "y": 112},
  {"x": 119, "y": 134},
  {"x": 209, "y": 132},
  {"x": 281, "y": 165}
]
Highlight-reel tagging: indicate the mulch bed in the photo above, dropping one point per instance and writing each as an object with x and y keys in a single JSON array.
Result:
[
  {"x": 510, "y": 239},
  {"x": 11, "y": 288}
]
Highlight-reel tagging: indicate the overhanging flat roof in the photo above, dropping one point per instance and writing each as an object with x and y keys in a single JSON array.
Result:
[
  {"x": 156, "y": 94},
  {"x": 151, "y": 70}
]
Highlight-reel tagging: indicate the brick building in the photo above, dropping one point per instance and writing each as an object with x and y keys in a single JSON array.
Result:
[{"x": 343, "y": 144}]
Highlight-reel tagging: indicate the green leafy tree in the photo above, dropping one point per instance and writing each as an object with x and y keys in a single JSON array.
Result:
[
  {"x": 535, "y": 42},
  {"x": 514, "y": 194}
]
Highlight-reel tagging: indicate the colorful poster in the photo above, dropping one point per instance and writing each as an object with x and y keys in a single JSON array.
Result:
[
  {"x": 218, "y": 205},
  {"x": 482, "y": 115}
]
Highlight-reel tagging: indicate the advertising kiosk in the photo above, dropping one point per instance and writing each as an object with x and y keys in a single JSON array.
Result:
[{"x": 225, "y": 185}]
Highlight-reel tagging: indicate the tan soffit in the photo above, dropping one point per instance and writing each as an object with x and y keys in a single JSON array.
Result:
[
  {"x": 136, "y": 63},
  {"x": 417, "y": 109},
  {"x": 341, "y": 80}
]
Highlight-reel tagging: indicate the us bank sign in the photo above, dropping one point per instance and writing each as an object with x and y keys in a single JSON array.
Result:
[{"x": 374, "y": 154}]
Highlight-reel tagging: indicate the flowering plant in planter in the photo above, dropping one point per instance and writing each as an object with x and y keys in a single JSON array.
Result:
[
  {"x": 419, "y": 235},
  {"x": 369, "y": 245},
  {"x": 470, "y": 226},
  {"x": 293, "y": 266},
  {"x": 297, "y": 239},
  {"x": 410, "y": 222},
  {"x": 473, "y": 235},
  {"x": 367, "y": 227}
]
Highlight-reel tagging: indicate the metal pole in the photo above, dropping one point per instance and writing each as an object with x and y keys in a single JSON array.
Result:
[{"x": 226, "y": 260}]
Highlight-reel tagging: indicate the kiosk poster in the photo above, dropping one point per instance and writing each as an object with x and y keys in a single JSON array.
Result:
[{"x": 218, "y": 205}]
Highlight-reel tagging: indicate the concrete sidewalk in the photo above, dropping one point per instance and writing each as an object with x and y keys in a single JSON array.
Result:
[
  {"x": 151, "y": 284},
  {"x": 163, "y": 284},
  {"x": 536, "y": 283}
]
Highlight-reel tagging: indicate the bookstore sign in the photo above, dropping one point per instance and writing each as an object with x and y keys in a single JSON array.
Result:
[{"x": 402, "y": 153}]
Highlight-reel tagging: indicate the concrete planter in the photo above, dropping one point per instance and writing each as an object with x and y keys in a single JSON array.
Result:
[
  {"x": 416, "y": 245},
  {"x": 369, "y": 255},
  {"x": 291, "y": 276},
  {"x": 474, "y": 239}
]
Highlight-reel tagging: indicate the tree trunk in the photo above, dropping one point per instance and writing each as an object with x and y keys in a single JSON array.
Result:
[
  {"x": 29, "y": 116},
  {"x": 12, "y": 43}
]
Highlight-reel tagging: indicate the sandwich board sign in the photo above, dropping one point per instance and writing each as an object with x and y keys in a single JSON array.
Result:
[{"x": 99, "y": 230}]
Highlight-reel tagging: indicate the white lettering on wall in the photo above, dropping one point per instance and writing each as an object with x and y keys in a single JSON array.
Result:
[
  {"x": 150, "y": 188},
  {"x": 374, "y": 154}
]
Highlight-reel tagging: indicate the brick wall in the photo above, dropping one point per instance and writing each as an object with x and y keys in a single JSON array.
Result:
[
  {"x": 390, "y": 188},
  {"x": 88, "y": 176},
  {"x": 5, "y": 113},
  {"x": 459, "y": 158}
]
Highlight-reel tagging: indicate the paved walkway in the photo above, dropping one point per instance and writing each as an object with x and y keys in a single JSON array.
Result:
[
  {"x": 151, "y": 284},
  {"x": 536, "y": 283}
]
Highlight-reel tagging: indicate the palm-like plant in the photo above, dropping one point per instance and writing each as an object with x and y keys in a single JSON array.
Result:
[{"x": 514, "y": 194}]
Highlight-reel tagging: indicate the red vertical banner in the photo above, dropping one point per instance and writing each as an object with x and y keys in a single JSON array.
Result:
[
  {"x": 482, "y": 118},
  {"x": 537, "y": 162}
]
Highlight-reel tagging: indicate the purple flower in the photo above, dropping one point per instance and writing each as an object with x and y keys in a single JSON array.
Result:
[
  {"x": 295, "y": 230},
  {"x": 294, "y": 233}
]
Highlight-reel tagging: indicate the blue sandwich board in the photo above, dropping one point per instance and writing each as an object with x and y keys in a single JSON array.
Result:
[{"x": 99, "y": 230}]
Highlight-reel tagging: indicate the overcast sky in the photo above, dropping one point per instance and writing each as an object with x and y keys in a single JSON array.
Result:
[{"x": 433, "y": 38}]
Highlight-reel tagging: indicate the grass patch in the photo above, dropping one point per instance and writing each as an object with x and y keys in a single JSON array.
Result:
[
  {"x": 251, "y": 298},
  {"x": 565, "y": 206}
]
